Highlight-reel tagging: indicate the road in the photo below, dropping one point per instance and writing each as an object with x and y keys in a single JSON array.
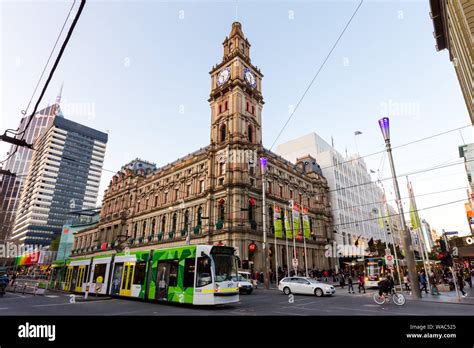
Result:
[{"x": 260, "y": 302}]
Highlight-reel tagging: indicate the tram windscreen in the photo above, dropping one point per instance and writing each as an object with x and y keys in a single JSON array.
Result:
[
  {"x": 373, "y": 269},
  {"x": 225, "y": 266}
]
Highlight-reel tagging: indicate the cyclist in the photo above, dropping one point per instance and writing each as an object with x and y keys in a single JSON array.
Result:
[{"x": 386, "y": 285}]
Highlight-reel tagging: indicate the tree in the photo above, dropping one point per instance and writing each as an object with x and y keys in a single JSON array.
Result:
[{"x": 54, "y": 246}]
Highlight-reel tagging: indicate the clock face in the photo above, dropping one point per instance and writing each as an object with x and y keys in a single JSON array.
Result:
[
  {"x": 223, "y": 76},
  {"x": 250, "y": 77}
]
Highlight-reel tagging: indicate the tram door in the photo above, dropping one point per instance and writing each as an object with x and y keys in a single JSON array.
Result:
[
  {"x": 67, "y": 280},
  {"x": 162, "y": 280},
  {"x": 127, "y": 278},
  {"x": 117, "y": 279},
  {"x": 74, "y": 278},
  {"x": 80, "y": 278}
]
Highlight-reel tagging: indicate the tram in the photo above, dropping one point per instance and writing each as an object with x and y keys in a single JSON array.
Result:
[{"x": 192, "y": 274}]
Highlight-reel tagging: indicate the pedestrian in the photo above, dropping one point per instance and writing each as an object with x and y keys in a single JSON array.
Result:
[
  {"x": 432, "y": 279},
  {"x": 460, "y": 280},
  {"x": 342, "y": 281},
  {"x": 406, "y": 281},
  {"x": 351, "y": 286},
  {"x": 468, "y": 278},
  {"x": 423, "y": 282},
  {"x": 13, "y": 279},
  {"x": 361, "y": 282},
  {"x": 326, "y": 276}
]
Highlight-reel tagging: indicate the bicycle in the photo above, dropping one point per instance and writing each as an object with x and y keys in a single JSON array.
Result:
[{"x": 397, "y": 298}]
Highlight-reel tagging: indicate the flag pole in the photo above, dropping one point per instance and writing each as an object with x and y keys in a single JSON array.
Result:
[
  {"x": 304, "y": 241},
  {"x": 286, "y": 243},
  {"x": 295, "y": 268},
  {"x": 276, "y": 248}
]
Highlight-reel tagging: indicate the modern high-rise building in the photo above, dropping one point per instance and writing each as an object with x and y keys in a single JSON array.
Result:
[
  {"x": 356, "y": 201},
  {"x": 64, "y": 176},
  {"x": 453, "y": 22},
  {"x": 10, "y": 186}
]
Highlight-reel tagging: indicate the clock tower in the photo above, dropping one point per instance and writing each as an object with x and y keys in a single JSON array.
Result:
[{"x": 236, "y": 100}]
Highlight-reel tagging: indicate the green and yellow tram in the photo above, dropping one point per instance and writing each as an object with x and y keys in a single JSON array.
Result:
[{"x": 192, "y": 274}]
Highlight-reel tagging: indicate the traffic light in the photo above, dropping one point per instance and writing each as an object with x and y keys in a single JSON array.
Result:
[
  {"x": 445, "y": 258},
  {"x": 442, "y": 245}
]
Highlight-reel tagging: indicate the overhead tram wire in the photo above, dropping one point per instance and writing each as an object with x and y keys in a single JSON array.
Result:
[
  {"x": 317, "y": 73},
  {"x": 49, "y": 58},
  {"x": 405, "y": 174},
  {"x": 407, "y": 212},
  {"x": 399, "y": 146},
  {"x": 56, "y": 63}
]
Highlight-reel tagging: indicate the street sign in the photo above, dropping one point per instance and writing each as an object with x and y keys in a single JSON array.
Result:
[
  {"x": 295, "y": 263},
  {"x": 450, "y": 233},
  {"x": 389, "y": 260},
  {"x": 387, "y": 251}
]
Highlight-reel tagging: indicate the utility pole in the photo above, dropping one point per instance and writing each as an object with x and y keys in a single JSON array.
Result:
[{"x": 407, "y": 242}]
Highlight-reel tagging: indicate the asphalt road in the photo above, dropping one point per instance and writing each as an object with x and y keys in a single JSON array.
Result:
[{"x": 260, "y": 302}]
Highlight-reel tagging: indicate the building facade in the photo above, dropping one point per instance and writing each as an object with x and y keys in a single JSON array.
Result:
[
  {"x": 19, "y": 163},
  {"x": 357, "y": 203},
  {"x": 214, "y": 195},
  {"x": 83, "y": 219},
  {"x": 63, "y": 176},
  {"x": 453, "y": 22}
]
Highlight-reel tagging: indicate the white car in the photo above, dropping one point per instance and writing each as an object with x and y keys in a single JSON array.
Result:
[
  {"x": 245, "y": 286},
  {"x": 303, "y": 285}
]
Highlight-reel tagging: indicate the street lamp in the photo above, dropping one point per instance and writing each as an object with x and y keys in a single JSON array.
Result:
[
  {"x": 266, "y": 255},
  {"x": 407, "y": 242}
]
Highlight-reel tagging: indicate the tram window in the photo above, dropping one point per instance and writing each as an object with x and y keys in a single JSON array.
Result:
[
  {"x": 204, "y": 276},
  {"x": 99, "y": 271},
  {"x": 140, "y": 270},
  {"x": 173, "y": 280},
  {"x": 188, "y": 281}
]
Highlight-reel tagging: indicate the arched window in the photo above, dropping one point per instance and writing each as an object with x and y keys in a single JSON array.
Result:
[
  {"x": 135, "y": 229},
  {"x": 253, "y": 110},
  {"x": 144, "y": 229},
  {"x": 223, "y": 133},
  {"x": 221, "y": 212},
  {"x": 153, "y": 223},
  {"x": 220, "y": 109},
  {"x": 250, "y": 133},
  {"x": 186, "y": 220},
  {"x": 163, "y": 224},
  {"x": 175, "y": 221},
  {"x": 199, "y": 216},
  {"x": 226, "y": 106}
]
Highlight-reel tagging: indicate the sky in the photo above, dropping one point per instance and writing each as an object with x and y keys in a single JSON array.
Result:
[{"x": 139, "y": 70}]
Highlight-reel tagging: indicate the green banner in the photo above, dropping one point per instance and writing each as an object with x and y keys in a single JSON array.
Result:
[
  {"x": 277, "y": 221},
  {"x": 289, "y": 235},
  {"x": 306, "y": 225}
]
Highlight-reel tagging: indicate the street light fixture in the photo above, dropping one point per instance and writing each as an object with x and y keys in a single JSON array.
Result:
[{"x": 384, "y": 124}]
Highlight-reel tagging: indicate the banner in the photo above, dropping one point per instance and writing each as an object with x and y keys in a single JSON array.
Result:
[
  {"x": 306, "y": 225},
  {"x": 289, "y": 235},
  {"x": 277, "y": 223},
  {"x": 296, "y": 221}
]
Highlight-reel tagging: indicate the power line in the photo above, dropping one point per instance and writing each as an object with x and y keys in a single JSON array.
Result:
[
  {"x": 405, "y": 174},
  {"x": 317, "y": 73},
  {"x": 49, "y": 58},
  {"x": 408, "y": 212},
  {"x": 56, "y": 63},
  {"x": 398, "y": 146},
  {"x": 390, "y": 200}
]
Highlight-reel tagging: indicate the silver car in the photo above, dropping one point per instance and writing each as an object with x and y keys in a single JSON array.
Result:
[{"x": 303, "y": 285}]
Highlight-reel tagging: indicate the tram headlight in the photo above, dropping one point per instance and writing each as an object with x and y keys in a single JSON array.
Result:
[{"x": 216, "y": 288}]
